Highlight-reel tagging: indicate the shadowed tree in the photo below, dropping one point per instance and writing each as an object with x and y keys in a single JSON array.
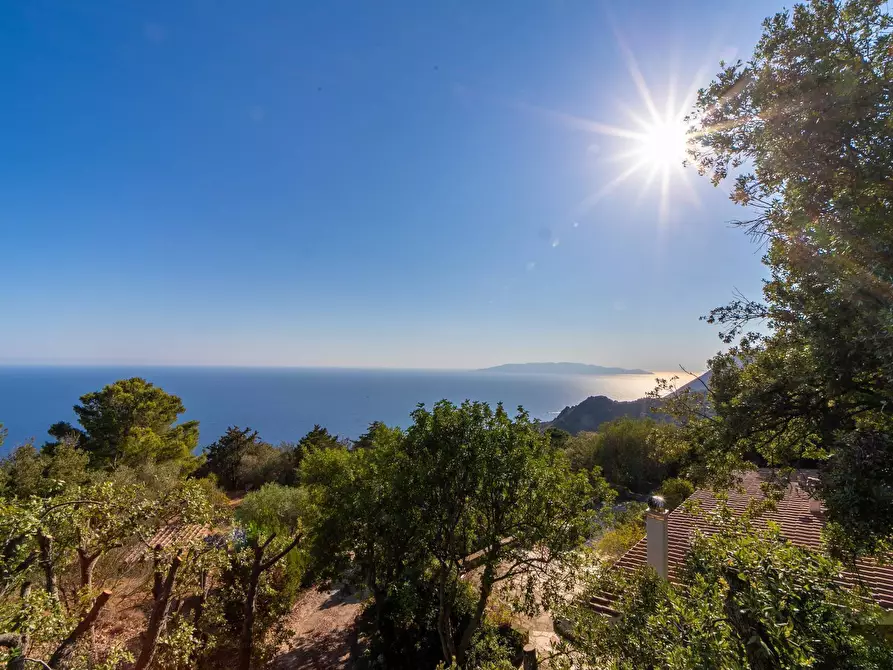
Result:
[{"x": 804, "y": 130}]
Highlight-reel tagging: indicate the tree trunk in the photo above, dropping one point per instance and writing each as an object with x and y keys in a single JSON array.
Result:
[
  {"x": 87, "y": 562},
  {"x": 18, "y": 662},
  {"x": 444, "y": 618},
  {"x": 157, "y": 574},
  {"x": 246, "y": 639},
  {"x": 258, "y": 567},
  {"x": 202, "y": 599},
  {"x": 63, "y": 651},
  {"x": 474, "y": 624},
  {"x": 529, "y": 660},
  {"x": 45, "y": 544},
  {"x": 13, "y": 641},
  {"x": 159, "y": 614}
]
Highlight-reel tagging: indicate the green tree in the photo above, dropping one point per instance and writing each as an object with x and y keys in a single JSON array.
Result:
[
  {"x": 805, "y": 129},
  {"x": 62, "y": 431},
  {"x": 113, "y": 517},
  {"x": 272, "y": 521},
  {"x": 318, "y": 438},
  {"x": 376, "y": 433},
  {"x": 558, "y": 438},
  {"x": 629, "y": 456},
  {"x": 364, "y": 521},
  {"x": 26, "y": 472},
  {"x": 131, "y": 420},
  {"x": 582, "y": 449},
  {"x": 22, "y": 472},
  {"x": 464, "y": 488},
  {"x": 485, "y": 484},
  {"x": 224, "y": 456},
  {"x": 194, "y": 502}
]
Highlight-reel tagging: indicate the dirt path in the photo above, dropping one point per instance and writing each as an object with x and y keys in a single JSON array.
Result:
[{"x": 323, "y": 622}]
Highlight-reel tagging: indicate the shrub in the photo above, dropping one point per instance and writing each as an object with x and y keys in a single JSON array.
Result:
[
  {"x": 628, "y": 528},
  {"x": 675, "y": 491}
]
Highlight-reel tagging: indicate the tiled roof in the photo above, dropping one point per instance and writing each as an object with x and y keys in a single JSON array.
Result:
[
  {"x": 174, "y": 533},
  {"x": 795, "y": 514}
]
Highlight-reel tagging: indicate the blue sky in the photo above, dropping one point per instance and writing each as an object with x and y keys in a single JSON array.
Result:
[{"x": 357, "y": 184}]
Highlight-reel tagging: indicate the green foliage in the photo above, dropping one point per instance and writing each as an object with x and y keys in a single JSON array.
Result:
[
  {"x": 317, "y": 439},
  {"x": 582, "y": 450},
  {"x": 241, "y": 460},
  {"x": 628, "y": 527},
  {"x": 38, "y": 615},
  {"x": 402, "y": 630},
  {"x": 22, "y": 472},
  {"x": 807, "y": 123},
  {"x": 238, "y": 458},
  {"x": 674, "y": 491},
  {"x": 274, "y": 509},
  {"x": 19, "y": 523},
  {"x": 221, "y": 623},
  {"x": 159, "y": 478},
  {"x": 177, "y": 649},
  {"x": 132, "y": 420},
  {"x": 627, "y": 453},
  {"x": 408, "y": 508},
  {"x": 27, "y": 472},
  {"x": 261, "y": 464},
  {"x": 558, "y": 438},
  {"x": 63, "y": 432},
  {"x": 747, "y": 600}
]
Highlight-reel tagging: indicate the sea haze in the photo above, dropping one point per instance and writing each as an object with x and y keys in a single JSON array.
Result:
[{"x": 284, "y": 403}]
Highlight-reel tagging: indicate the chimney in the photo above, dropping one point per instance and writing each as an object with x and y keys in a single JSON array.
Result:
[
  {"x": 812, "y": 487},
  {"x": 656, "y": 535}
]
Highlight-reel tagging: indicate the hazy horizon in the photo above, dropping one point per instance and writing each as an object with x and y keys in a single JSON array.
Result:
[{"x": 137, "y": 364}]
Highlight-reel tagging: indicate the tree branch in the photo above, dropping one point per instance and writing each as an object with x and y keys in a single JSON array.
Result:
[
  {"x": 272, "y": 561},
  {"x": 67, "y": 646}
]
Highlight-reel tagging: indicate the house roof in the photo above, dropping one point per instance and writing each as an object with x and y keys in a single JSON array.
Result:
[
  {"x": 797, "y": 516},
  {"x": 172, "y": 534}
]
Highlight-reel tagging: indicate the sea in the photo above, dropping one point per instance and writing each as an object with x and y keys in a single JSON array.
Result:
[{"x": 282, "y": 404}]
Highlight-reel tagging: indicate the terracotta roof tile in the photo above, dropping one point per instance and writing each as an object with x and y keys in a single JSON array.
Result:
[
  {"x": 795, "y": 514},
  {"x": 174, "y": 533}
]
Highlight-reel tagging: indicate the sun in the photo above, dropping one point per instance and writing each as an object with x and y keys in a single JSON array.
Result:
[
  {"x": 650, "y": 147},
  {"x": 662, "y": 144}
]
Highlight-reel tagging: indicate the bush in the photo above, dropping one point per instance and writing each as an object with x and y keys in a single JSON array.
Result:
[
  {"x": 581, "y": 451},
  {"x": 274, "y": 508},
  {"x": 27, "y": 471},
  {"x": 628, "y": 528},
  {"x": 263, "y": 464},
  {"x": 674, "y": 491}
]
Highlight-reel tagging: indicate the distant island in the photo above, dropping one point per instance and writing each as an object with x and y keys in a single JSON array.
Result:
[{"x": 562, "y": 369}]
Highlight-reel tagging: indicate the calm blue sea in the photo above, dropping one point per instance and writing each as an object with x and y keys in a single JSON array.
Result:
[{"x": 284, "y": 403}]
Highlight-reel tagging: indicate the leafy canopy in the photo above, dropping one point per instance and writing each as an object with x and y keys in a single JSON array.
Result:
[
  {"x": 130, "y": 421},
  {"x": 464, "y": 487},
  {"x": 805, "y": 128}
]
